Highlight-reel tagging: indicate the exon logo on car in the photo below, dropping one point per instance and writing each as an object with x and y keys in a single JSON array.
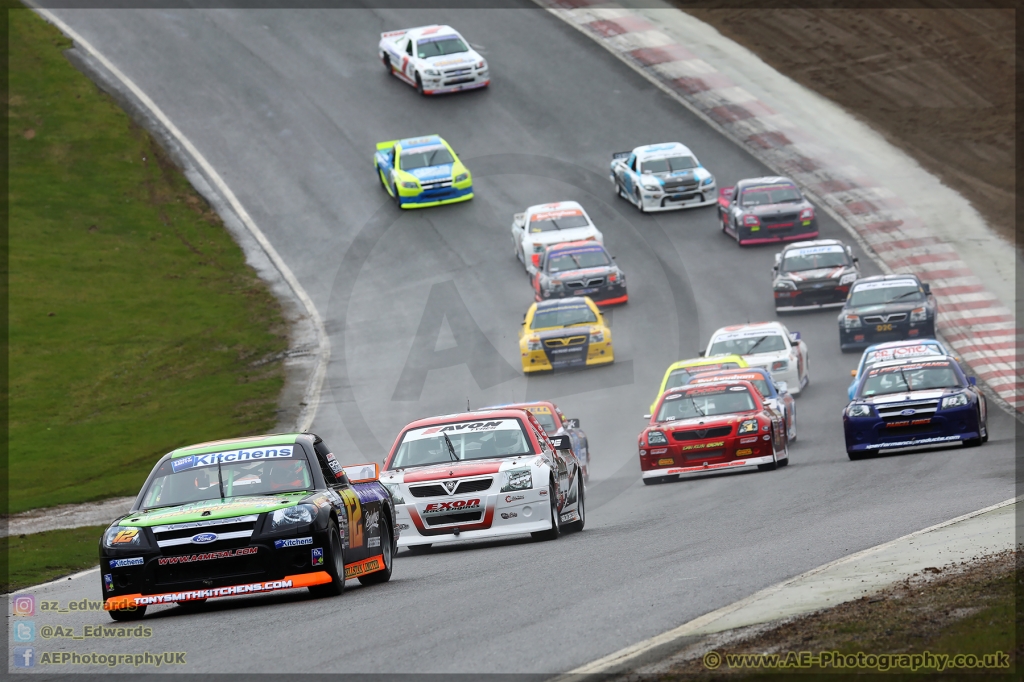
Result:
[
  {"x": 203, "y": 538},
  {"x": 907, "y": 413},
  {"x": 453, "y": 506}
]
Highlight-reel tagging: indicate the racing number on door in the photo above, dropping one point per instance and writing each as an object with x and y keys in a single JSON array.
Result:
[{"x": 355, "y": 517}]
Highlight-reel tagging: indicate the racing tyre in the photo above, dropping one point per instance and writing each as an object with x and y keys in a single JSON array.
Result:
[
  {"x": 854, "y": 456},
  {"x": 387, "y": 64},
  {"x": 577, "y": 526},
  {"x": 419, "y": 85},
  {"x": 418, "y": 549},
  {"x": 556, "y": 520},
  {"x": 334, "y": 560},
  {"x": 785, "y": 460},
  {"x": 191, "y": 606},
  {"x": 387, "y": 552},
  {"x": 771, "y": 466},
  {"x": 638, "y": 200},
  {"x": 127, "y": 614}
]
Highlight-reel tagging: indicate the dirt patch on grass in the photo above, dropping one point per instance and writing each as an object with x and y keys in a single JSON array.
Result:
[
  {"x": 938, "y": 83},
  {"x": 956, "y": 609}
]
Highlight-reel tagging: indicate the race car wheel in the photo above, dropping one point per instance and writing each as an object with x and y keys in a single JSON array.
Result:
[
  {"x": 419, "y": 85},
  {"x": 387, "y": 64},
  {"x": 386, "y": 544},
  {"x": 556, "y": 520},
  {"x": 785, "y": 459},
  {"x": 638, "y": 200},
  {"x": 577, "y": 526},
  {"x": 854, "y": 456},
  {"x": 773, "y": 465},
  {"x": 191, "y": 606},
  {"x": 128, "y": 614},
  {"x": 418, "y": 549},
  {"x": 334, "y": 560},
  {"x": 792, "y": 439}
]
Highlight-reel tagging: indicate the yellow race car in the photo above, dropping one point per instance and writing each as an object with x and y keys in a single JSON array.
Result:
[
  {"x": 422, "y": 171},
  {"x": 679, "y": 372},
  {"x": 564, "y": 332}
]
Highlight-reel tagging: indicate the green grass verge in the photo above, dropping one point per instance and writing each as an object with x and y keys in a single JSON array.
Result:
[
  {"x": 37, "y": 558},
  {"x": 134, "y": 321}
]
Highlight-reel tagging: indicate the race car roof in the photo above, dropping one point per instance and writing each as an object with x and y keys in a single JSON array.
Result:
[
  {"x": 556, "y": 206},
  {"x": 765, "y": 181},
  {"x": 657, "y": 151},
  {"x": 752, "y": 327},
  {"x": 519, "y": 406},
  {"x": 905, "y": 343},
  {"x": 708, "y": 386},
  {"x": 572, "y": 246},
  {"x": 504, "y": 413},
  {"x": 884, "y": 278},
  {"x": 553, "y": 303},
  {"x": 250, "y": 442},
  {"x": 726, "y": 374},
  {"x": 425, "y": 141},
  {"x": 710, "y": 360},
  {"x": 431, "y": 29},
  {"x": 813, "y": 243}
]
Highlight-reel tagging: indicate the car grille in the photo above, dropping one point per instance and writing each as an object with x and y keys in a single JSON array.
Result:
[
  {"x": 442, "y": 519},
  {"x": 921, "y": 408},
  {"x": 879, "y": 319},
  {"x": 701, "y": 434},
  {"x": 780, "y": 220},
  {"x": 437, "y": 490},
  {"x": 565, "y": 341},
  {"x": 439, "y": 184},
  {"x": 209, "y": 570},
  {"x": 579, "y": 283},
  {"x": 910, "y": 430},
  {"x": 675, "y": 185},
  {"x": 180, "y": 534},
  {"x": 461, "y": 71}
]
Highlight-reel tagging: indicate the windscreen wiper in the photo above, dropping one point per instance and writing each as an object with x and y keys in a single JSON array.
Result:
[
  {"x": 910, "y": 386},
  {"x": 694, "y": 404},
  {"x": 903, "y": 295},
  {"x": 451, "y": 448},
  {"x": 220, "y": 479},
  {"x": 751, "y": 349}
]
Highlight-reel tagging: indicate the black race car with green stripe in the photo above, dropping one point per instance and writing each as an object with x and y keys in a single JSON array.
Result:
[{"x": 247, "y": 516}]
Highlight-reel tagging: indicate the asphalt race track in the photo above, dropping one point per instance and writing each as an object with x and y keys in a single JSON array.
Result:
[{"x": 423, "y": 309}]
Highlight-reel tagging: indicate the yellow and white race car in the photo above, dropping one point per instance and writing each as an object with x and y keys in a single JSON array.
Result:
[
  {"x": 562, "y": 333},
  {"x": 422, "y": 171}
]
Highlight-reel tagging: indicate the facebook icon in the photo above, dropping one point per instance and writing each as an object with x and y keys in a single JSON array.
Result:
[{"x": 24, "y": 657}]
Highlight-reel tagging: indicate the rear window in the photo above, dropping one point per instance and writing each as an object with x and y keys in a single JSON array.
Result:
[{"x": 479, "y": 439}]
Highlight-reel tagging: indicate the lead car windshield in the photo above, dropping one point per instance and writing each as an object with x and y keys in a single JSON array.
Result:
[
  {"x": 483, "y": 439},
  {"x": 197, "y": 478},
  {"x": 917, "y": 377},
  {"x": 706, "y": 403}
]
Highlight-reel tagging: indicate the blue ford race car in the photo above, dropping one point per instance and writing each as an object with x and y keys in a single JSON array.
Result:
[
  {"x": 893, "y": 350},
  {"x": 662, "y": 177},
  {"x": 924, "y": 401}
]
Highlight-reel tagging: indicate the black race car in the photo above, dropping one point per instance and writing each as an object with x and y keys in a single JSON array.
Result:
[
  {"x": 247, "y": 516},
  {"x": 762, "y": 210},
  {"x": 580, "y": 268},
  {"x": 815, "y": 274},
  {"x": 886, "y": 308}
]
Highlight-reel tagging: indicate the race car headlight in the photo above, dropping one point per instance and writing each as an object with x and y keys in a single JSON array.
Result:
[
  {"x": 432, "y": 72},
  {"x": 121, "y": 537},
  {"x": 710, "y": 180},
  {"x": 849, "y": 278},
  {"x": 780, "y": 365},
  {"x": 461, "y": 177},
  {"x": 958, "y": 400},
  {"x": 851, "y": 321},
  {"x": 396, "y": 492},
  {"x": 651, "y": 186},
  {"x": 292, "y": 516},
  {"x": 748, "y": 426},
  {"x": 656, "y": 438},
  {"x": 557, "y": 284},
  {"x": 482, "y": 64},
  {"x": 596, "y": 335},
  {"x": 517, "y": 479},
  {"x": 533, "y": 343},
  {"x": 411, "y": 185},
  {"x": 857, "y": 410},
  {"x": 918, "y": 314},
  {"x": 785, "y": 285},
  {"x": 751, "y": 220},
  {"x": 807, "y": 214}
]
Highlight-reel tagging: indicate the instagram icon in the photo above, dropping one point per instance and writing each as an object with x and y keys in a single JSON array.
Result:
[{"x": 24, "y": 605}]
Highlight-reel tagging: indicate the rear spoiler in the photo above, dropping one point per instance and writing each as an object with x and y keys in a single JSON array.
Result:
[
  {"x": 620, "y": 155},
  {"x": 382, "y": 146},
  {"x": 562, "y": 442},
  {"x": 393, "y": 34}
]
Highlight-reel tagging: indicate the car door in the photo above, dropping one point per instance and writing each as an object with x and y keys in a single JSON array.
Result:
[
  {"x": 628, "y": 177},
  {"x": 409, "y": 61},
  {"x": 346, "y": 502},
  {"x": 559, "y": 467}
]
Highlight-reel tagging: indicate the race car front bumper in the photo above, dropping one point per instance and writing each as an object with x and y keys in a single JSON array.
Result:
[
  {"x": 858, "y": 338},
  {"x": 735, "y": 465},
  {"x": 811, "y": 297},
  {"x": 948, "y": 426},
  {"x": 609, "y": 294},
  {"x": 600, "y": 353},
  {"x": 458, "y": 87},
  {"x": 671, "y": 201},
  {"x": 504, "y": 514},
  {"x": 427, "y": 198}
]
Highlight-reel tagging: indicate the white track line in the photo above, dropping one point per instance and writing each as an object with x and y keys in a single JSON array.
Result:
[
  {"x": 630, "y": 653},
  {"x": 311, "y": 397}
]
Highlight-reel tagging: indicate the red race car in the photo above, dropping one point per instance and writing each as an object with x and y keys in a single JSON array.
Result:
[
  {"x": 711, "y": 428},
  {"x": 762, "y": 210}
]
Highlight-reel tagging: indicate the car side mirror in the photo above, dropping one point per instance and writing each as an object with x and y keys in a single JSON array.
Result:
[
  {"x": 700, "y": 354},
  {"x": 927, "y": 287},
  {"x": 764, "y": 401},
  {"x": 794, "y": 336},
  {"x": 781, "y": 386},
  {"x": 574, "y": 423},
  {"x": 647, "y": 417},
  {"x": 856, "y": 260},
  {"x": 972, "y": 381},
  {"x": 853, "y": 373}
]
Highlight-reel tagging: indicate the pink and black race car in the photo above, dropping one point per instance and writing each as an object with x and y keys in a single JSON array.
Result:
[{"x": 762, "y": 210}]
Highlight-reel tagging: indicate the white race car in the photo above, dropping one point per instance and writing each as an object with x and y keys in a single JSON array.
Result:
[
  {"x": 662, "y": 177},
  {"x": 769, "y": 345},
  {"x": 433, "y": 59},
  {"x": 546, "y": 224},
  {"x": 480, "y": 475}
]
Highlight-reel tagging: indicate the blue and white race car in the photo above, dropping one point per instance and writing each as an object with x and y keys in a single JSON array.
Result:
[
  {"x": 662, "y": 177},
  {"x": 925, "y": 401},
  {"x": 893, "y": 350}
]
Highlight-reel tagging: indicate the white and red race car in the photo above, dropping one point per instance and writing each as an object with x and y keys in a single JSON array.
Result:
[
  {"x": 769, "y": 345},
  {"x": 433, "y": 59},
  {"x": 543, "y": 225},
  {"x": 476, "y": 475}
]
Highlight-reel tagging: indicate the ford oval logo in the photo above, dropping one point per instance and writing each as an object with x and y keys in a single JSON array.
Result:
[
  {"x": 203, "y": 538},
  {"x": 907, "y": 413}
]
